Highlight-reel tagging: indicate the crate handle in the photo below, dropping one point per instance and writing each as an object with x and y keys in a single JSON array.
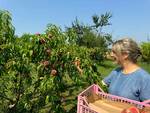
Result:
[{"x": 146, "y": 101}]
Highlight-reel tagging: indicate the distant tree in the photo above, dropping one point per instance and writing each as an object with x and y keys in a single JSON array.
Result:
[
  {"x": 145, "y": 49},
  {"x": 101, "y": 21},
  {"x": 90, "y": 35},
  {"x": 6, "y": 28}
]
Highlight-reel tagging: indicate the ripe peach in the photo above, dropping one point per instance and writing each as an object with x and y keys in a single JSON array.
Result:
[
  {"x": 45, "y": 63},
  {"x": 53, "y": 72},
  {"x": 131, "y": 110},
  {"x": 48, "y": 51}
]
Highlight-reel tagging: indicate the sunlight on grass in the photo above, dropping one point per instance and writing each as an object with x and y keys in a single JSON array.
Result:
[{"x": 108, "y": 66}]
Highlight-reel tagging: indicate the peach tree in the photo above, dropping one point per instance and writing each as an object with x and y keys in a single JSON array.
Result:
[{"x": 38, "y": 72}]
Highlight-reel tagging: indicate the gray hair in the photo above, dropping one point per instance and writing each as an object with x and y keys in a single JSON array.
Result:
[{"x": 129, "y": 46}]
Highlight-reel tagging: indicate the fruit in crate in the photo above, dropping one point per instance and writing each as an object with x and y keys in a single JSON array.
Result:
[{"x": 131, "y": 110}]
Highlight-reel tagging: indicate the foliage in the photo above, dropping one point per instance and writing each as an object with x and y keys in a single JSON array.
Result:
[
  {"x": 145, "y": 47},
  {"x": 6, "y": 28},
  {"x": 89, "y": 36},
  {"x": 85, "y": 35},
  {"x": 102, "y": 20},
  {"x": 38, "y": 73}
]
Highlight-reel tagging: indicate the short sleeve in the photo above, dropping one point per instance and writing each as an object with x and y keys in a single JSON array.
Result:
[{"x": 145, "y": 89}]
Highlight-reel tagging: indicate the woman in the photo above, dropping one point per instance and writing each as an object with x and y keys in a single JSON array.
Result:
[{"x": 129, "y": 80}]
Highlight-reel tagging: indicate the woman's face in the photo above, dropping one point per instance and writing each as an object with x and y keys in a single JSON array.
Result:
[{"x": 119, "y": 58}]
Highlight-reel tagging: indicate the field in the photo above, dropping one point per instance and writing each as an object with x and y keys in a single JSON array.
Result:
[{"x": 108, "y": 66}]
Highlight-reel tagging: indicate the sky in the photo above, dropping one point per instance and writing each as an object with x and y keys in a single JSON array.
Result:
[{"x": 130, "y": 18}]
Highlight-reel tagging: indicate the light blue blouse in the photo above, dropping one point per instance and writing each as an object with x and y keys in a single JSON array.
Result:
[{"x": 135, "y": 86}]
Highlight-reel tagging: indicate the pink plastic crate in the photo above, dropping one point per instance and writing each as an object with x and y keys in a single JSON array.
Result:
[{"x": 83, "y": 106}]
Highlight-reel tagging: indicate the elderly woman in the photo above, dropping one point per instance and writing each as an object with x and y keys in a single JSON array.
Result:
[{"x": 129, "y": 80}]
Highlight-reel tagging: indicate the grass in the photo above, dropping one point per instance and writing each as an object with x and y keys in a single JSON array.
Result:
[
  {"x": 108, "y": 66},
  {"x": 145, "y": 66}
]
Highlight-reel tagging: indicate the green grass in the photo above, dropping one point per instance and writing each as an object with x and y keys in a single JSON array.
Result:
[
  {"x": 108, "y": 66},
  {"x": 145, "y": 66}
]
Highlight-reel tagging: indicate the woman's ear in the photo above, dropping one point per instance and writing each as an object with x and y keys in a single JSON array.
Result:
[{"x": 125, "y": 55}]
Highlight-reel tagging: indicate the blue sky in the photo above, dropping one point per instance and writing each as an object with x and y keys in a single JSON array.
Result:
[{"x": 130, "y": 17}]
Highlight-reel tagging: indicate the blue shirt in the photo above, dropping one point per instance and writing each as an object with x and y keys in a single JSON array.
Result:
[{"x": 135, "y": 86}]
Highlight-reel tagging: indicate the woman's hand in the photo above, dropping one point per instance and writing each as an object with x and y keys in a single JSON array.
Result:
[{"x": 77, "y": 64}]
